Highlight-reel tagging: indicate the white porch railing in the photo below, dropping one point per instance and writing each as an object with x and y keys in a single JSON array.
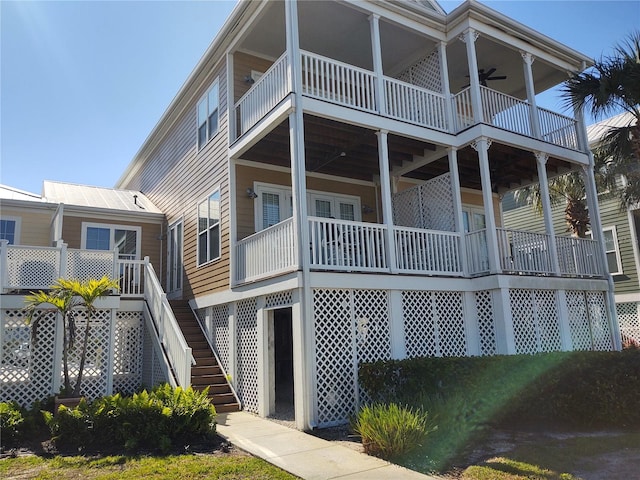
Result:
[
  {"x": 169, "y": 333},
  {"x": 416, "y": 105},
  {"x": 463, "y": 110},
  {"x": 558, "y": 129},
  {"x": 348, "y": 246},
  {"x": 524, "y": 252},
  {"x": 506, "y": 112},
  {"x": 578, "y": 257},
  {"x": 428, "y": 251},
  {"x": 268, "y": 252},
  {"x": 477, "y": 252},
  {"x": 338, "y": 82},
  {"x": 265, "y": 94},
  {"x": 131, "y": 275}
]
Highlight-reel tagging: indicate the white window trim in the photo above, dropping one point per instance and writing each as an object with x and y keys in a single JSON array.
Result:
[
  {"x": 614, "y": 231},
  {"x": 18, "y": 227},
  {"x": 205, "y": 98},
  {"x": 171, "y": 226},
  {"x": 285, "y": 193},
  {"x": 470, "y": 210},
  {"x": 112, "y": 228},
  {"x": 206, "y": 199}
]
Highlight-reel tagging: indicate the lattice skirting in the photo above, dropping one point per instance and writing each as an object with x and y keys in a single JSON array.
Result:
[
  {"x": 629, "y": 320},
  {"x": 28, "y": 371}
]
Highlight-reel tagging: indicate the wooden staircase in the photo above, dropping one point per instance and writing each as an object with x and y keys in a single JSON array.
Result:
[{"x": 206, "y": 372}]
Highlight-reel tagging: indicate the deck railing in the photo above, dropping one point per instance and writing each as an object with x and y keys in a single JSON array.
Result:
[
  {"x": 348, "y": 246},
  {"x": 578, "y": 257},
  {"x": 416, "y": 105},
  {"x": 265, "y": 94},
  {"x": 428, "y": 251},
  {"x": 338, "y": 82},
  {"x": 524, "y": 252},
  {"x": 477, "y": 252},
  {"x": 168, "y": 331},
  {"x": 558, "y": 129},
  {"x": 268, "y": 252},
  {"x": 506, "y": 112},
  {"x": 463, "y": 110}
]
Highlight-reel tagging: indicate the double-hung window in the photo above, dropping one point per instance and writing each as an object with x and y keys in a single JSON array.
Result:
[
  {"x": 97, "y": 236},
  {"x": 10, "y": 230},
  {"x": 208, "y": 108},
  {"x": 209, "y": 228},
  {"x": 610, "y": 238}
]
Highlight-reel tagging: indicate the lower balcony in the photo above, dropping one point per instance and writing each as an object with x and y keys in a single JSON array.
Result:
[{"x": 363, "y": 247}]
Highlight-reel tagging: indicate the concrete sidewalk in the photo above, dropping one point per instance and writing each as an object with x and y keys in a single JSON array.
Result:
[{"x": 304, "y": 455}]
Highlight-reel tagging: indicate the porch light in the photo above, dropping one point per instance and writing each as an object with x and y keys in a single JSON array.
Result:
[
  {"x": 249, "y": 79},
  {"x": 251, "y": 194}
]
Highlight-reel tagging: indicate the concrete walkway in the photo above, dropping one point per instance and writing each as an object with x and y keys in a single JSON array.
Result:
[{"x": 304, "y": 455}]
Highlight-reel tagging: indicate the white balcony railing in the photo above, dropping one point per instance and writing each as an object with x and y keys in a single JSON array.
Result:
[
  {"x": 463, "y": 110},
  {"x": 578, "y": 257},
  {"x": 524, "y": 252},
  {"x": 269, "y": 252},
  {"x": 428, "y": 251},
  {"x": 265, "y": 94},
  {"x": 477, "y": 252},
  {"x": 506, "y": 112},
  {"x": 558, "y": 129},
  {"x": 416, "y": 105}
]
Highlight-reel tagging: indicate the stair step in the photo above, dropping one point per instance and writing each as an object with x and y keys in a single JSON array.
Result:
[
  {"x": 201, "y": 353},
  {"x": 200, "y": 370},
  {"x": 201, "y": 345},
  {"x": 205, "y": 362},
  {"x": 213, "y": 372},
  {"x": 227, "y": 407},
  {"x": 204, "y": 380},
  {"x": 220, "y": 389},
  {"x": 217, "y": 398}
]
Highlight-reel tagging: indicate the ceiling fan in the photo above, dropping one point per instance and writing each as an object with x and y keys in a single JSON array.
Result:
[{"x": 485, "y": 76}]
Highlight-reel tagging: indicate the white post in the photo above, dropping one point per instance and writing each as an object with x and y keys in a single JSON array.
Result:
[
  {"x": 531, "y": 93},
  {"x": 56, "y": 381},
  {"x": 471, "y": 329},
  {"x": 396, "y": 319},
  {"x": 63, "y": 273},
  {"x": 4, "y": 265},
  {"x": 563, "y": 319},
  {"x": 503, "y": 321},
  {"x": 385, "y": 189},
  {"x": 262, "y": 354},
  {"x": 231, "y": 108},
  {"x": 469, "y": 37},
  {"x": 116, "y": 265},
  {"x": 541, "y": 162},
  {"x": 303, "y": 387},
  {"x": 481, "y": 146},
  {"x": 374, "y": 22},
  {"x": 446, "y": 88},
  {"x": 452, "y": 153},
  {"x": 111, "y": 350},
  {"x": 233, "y": 345}
]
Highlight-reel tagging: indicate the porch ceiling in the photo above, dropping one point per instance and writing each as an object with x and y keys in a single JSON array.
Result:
[{"x": 350, "y": 151}]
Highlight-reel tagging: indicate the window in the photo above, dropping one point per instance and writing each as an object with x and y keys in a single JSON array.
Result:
[
  {"x": 126, "y": 239},
  {"x": 473, "y": 219},
  {"x": 208, "y": 115},
  {"x": 174, "y": 257},
  {"x": 10, "y": 230},
  {"x": 209, "y": 228},
  {"x": 610, "y": 238},
  {"x": 327, "y": 205}
]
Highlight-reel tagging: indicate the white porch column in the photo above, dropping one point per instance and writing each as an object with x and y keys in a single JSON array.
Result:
[
  {"x": 446, "y": 88},
  {"x": 396, "y": 319},
  {"x": 481, "y": 146},
  {"x": 233, "y": 344},
  {"x": 469, "y": 37},
  {"x": 531, "y": 93},
  {"x": 541, "y": 162},
  {"x": 452, "y": 154},
  {"x": 374, "y": 22},
  {"x": 231, "y": 110},
  {"x": 471, "y": 328},
  {"x": 563, "y": 317},
  {"x": 503, "y": 321},
  {"x": 262, "y": 354},
  {"x": 385, "y": 190}
]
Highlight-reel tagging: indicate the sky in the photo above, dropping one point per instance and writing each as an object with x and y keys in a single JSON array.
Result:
[{"x": 83, "y": 83}]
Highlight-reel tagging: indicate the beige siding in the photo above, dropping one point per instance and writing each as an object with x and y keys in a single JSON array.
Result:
[
  {"x": 176, "y": 176},
  {"x": 243, "y": 63},
  {"x": 35, "y": 225}
]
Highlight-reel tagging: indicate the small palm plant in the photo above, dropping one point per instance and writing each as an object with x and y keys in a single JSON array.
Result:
[{"x": 66, "y": 297}]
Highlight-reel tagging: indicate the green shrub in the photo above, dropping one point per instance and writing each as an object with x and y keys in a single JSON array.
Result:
[
  {"x": 11, "y": 422},
  {"x": 388, "y": 431}
]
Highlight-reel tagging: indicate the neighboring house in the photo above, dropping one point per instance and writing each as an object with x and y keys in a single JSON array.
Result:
[
  {"x": 621, "y": 231},
  {"x": 330, "y": 177}
]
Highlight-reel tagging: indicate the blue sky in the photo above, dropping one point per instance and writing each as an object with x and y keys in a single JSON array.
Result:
[{"x": 82, "y": 84}]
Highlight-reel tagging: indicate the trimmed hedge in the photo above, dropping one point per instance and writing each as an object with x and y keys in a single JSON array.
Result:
[{"x": 576, "y": 389}]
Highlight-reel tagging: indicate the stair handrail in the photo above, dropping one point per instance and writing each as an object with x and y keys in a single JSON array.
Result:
[
  {"x": 177, "y": 350},
  {"x": 215, "y": 354},
  {"x": 168, "y": 372}
]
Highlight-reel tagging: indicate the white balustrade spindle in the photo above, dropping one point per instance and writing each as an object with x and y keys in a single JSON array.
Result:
[{"x": 428, "y": 251}]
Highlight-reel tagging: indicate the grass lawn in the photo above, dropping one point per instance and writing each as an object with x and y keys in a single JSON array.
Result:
[{"x": 234, "y": 466}]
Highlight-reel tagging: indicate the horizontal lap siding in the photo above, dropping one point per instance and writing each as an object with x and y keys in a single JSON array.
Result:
[
  {"x": 243, "y": 63},
  {"x": 176, "y": 177},
  {"x": 35, "y": 225}
]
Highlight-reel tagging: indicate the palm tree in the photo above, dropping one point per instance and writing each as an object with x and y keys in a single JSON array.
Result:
[
  {"x": 67, "y": 296},
  {"x": 610, "y": 86}
]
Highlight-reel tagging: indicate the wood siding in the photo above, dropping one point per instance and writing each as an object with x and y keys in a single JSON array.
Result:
[
  {"x": 243, "y": 63},
  {"x": 35, "y": 225},
  {"x": 176, "y": 177}
]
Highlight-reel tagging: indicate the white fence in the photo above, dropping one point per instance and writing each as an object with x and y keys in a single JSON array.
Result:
[
  {"x": 558, "y": 129},
  {"x": 477, "y": 252},
  {"x": 428, "y": 251},
  {"x": 506, "y": 112},
  {"x": 579, "y": 257},
  {"x": 414, "y": 104},
  {"x": 524, "y": 252}
]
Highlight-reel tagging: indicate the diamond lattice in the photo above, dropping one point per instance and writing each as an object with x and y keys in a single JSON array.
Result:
[
  {"x": 486, "y": 323},
  {"x": 547, "y": 320},
  {"x": 26, "y": 370},
  {"x": 220, "y": 333},
  {"x": 451, "y": 326},
  {"x": 127, "y": 355},
  {"x": 599, "y": 320},
  {"x": 578, "y": 320},
  {"x": 371, "y": 325},
  {"x": 247, "y": 339},
  {"x": 419, "y": 324},
  {"x": 429, "y": 205},
  {"x": 32, "y": 268},
  {"x": 524, "y": 323},
  {"x": 279, "y": 299},
  {"x": 629, "y": 321},
  {"x": 86, "y": 264},
  {"x": 336, "y": 373},
  {"x": 425, "y": 73}
]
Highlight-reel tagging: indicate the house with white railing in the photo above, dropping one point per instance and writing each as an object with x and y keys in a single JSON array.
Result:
[{"x": 330, "y": 177}]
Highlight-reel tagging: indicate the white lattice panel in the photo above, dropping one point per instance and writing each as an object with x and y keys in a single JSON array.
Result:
[
  {"x": 536, "y": 323},
  {"x": 220, "y": 338},
  {"x": 127, "y": 355},
  {"x": 599, "y": 319},
  {"x": 579, "y": 321},
  {"x": 247, "y": 338},
  {"x": 86, "y": 264},
  {"x": 419, "y": 324},
  {"x": 524, "y": 323},
  {"x": 429, "y": 205},
  {"x": 371, "y": 325},
  {"x": 546, "y": 310},
  {"x": 629, "y": 321},
  {"x": 32, "y": 268},
  {"x": 451, "y": 326},
  {"x": 486, "y": 323},
  {"x": 153, "y": 371},
  {"x": 26, "y": 370},
  {"x": 94, "y": 379},
  {"x": 336, "y": 374},
  {"x": 279, "y": 299},
  {"x": 425, "y": 73}
]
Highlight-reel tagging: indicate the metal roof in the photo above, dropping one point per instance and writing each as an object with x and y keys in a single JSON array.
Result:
[
  {"x": 598, "y": 130},
  {"x": 11, "y": 193}
]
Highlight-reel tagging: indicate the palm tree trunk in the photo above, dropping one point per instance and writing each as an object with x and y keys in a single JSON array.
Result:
[
  {"x": 85, "y": 343},
  {"x": 65, "y": 357}
]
